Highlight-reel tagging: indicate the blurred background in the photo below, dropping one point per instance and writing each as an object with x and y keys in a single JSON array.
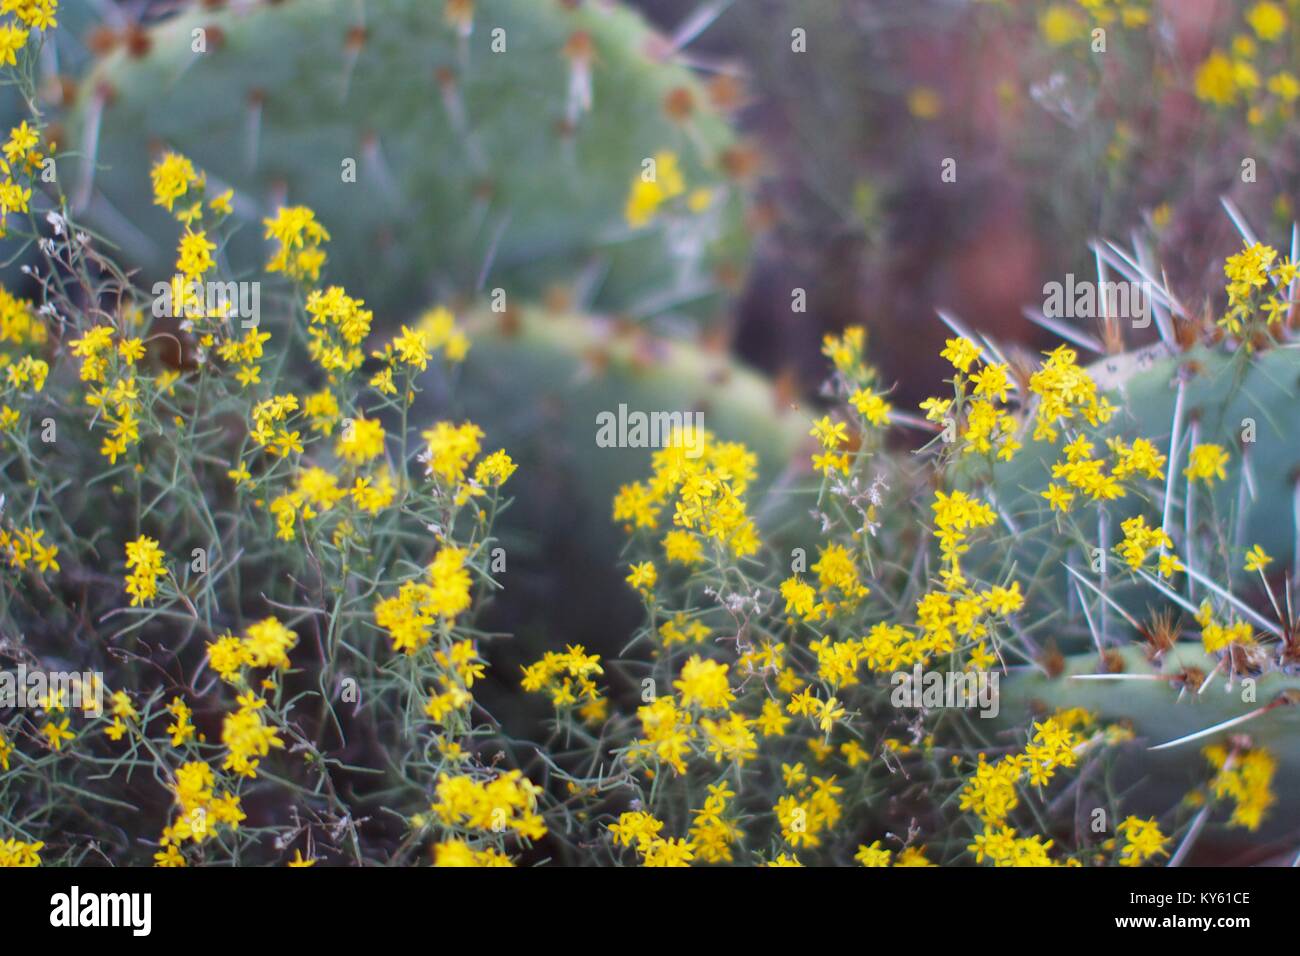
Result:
[{"x": 1055, "y": 144}]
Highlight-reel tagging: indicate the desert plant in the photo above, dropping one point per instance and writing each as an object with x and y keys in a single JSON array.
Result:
[
  {"x": 258, "y": 542},
  {"x": 468, "y": 146}
]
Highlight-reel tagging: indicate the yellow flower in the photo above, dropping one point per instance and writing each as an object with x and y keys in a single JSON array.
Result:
[
  {"x": 362, "y": 440},
  {"x": 450, "y": 449},
  {"x": 220, "y": 204},
  {"x": 643, "y": 576},
  {"x": 992, "y": 381},
  {"x": 1206, "y": 462},
  {"x": 912, "y": 856},
  {"x": 144, "y": 560},
  {"x": 669, "y": 853},
  {"x": 1257, "y": 559},
  {"x": 247, "y": 736},
  {"x": 1267, "y": 19},
  {"x": 1060, "y": 25},
  {"x": 1244, "y": 777},
  {"x": 960, "y": 352},
  {"x": 1142, "y": 841},
  {"x": 14, "y": 853},
  {"x": 871, "y": 407},
  {"x": 683, "y": 547},
  {"x": 195, "y": 254},
  {"x": 1057, "y": 497},
  {"x": 924, "y": 102},
  {"x": 299, "y": 237},
  {"x": 267, "y": 644},
  {"x": 1216, "y": 80},
  {"x": 829, "y": 433},
  {"x": 173, "y": 175},
  {"x": 494, "y": 470},
  {"x": 653, "y": 187},
  {"x": 181, "y": 728},
  {"x": 1285, "y": 86},
  {"x": 56, "y": 733},
  {"x": 704, "y": 683},
  {"x": 872, "y": 856}
]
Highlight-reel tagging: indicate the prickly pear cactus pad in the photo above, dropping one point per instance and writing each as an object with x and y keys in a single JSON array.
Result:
[{"x": 451, "y": 148}]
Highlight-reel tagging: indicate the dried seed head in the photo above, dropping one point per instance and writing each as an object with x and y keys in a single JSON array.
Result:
[
  {"x": 1052, "y": 661},
  {"x": 1162, "y": 632}
]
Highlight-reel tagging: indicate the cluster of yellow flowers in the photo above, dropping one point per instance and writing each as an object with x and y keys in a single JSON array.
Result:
[
  {"x": 461, "y": 666},
  {"x": 339, "y": 324},
  {"x": 411, "y": 615},
  {"x": 21, "y": 156},
  {"x": 1245, "y": 777},
  {"x": 992, "y": 793},
  {"x": 712, "y": 834},
  {"x": 450, "y": 450},
  {"x": 144, "y": 562},
  {"x": 640, "y": 829},
  {"x": 504, "y": 803},
  {"x": 1139, "y": 541},
  {"x": 23, "y": 547},
  {"x": 458, "y": 853},
  {"x": 1143, "y": 841},
  {"x": 839, "y": 588},
  {"x": 567, "y": 678},
  {"x": 855, "y": 380},
  {"x": 1081, "y": 471},
  {"x": 1254, "y": 71},
  {"x": 39, "y": 15},
  {"x": 990, "y": 429},
  {"x": 1218, "y": 637},
  {"x": 174, "y": 178},
  {"x": 265, "y": 643},
  {"x": 1260, "y": 286},
  {"x": 22, "y": 335},
  {"x": 1063, "y": 392},
  {"x": 299, "y": 238},
  {"x": 657, "y": 184},
  {"x": 705, "y": 480},
  {"x": 1063, "y": 24},
  {"x": 20, "y": 853},
  {"x": 806, "y": 814},
  {"x": 123, "y": 710},
  {"x": 411, "y": 349},
  {"x": 247, "y": 736},
  {"x": 954, "y": 515},
  {"x": 200, "y": 810}
]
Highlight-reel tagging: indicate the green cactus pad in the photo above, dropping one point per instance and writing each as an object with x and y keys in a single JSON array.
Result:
[
  {"x": 1223, "y": 394},
  {"x": 1162, "y": 711},
  {"x": 472, "y": 168},
  {"x": 541, "y": 379},
  {"x": 535, "y": 381}
]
